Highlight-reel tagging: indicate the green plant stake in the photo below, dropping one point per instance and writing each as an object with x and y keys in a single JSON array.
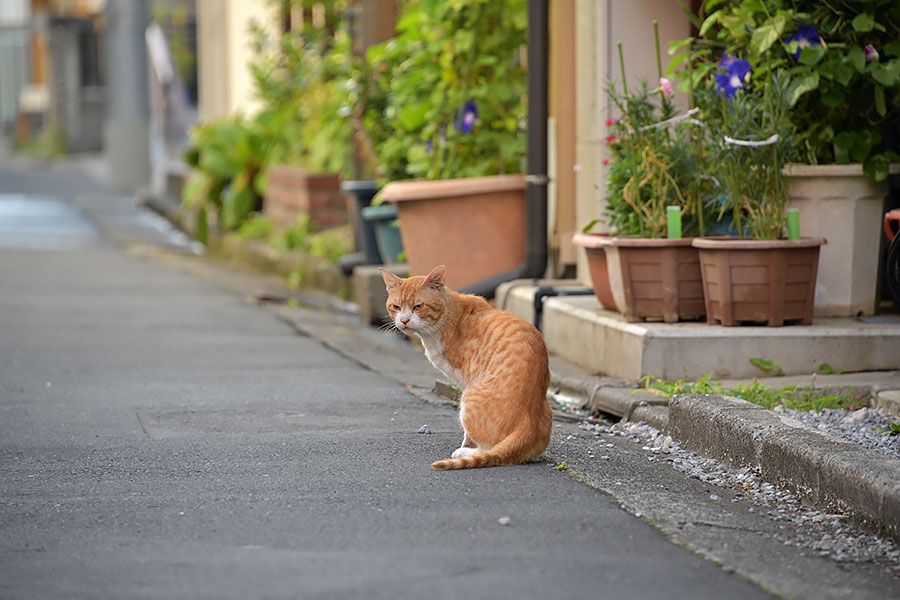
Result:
[
  {"x": 793, "y": 223},
  {"x": 674, "y": 222}
]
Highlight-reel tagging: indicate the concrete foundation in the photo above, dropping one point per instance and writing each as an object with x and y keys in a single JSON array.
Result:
[{"x": 578, "y": 329}]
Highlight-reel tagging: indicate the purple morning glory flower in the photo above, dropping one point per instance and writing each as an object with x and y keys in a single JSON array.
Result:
[
  {"x": 726, "y": 61},
  {"x": 469, "y": 116},
  {"x": 871, "y": 53},
  {"x": 738, "y": 71},
  {"x": 805, "y": 37},
  {"x": 429, "y": 146}
]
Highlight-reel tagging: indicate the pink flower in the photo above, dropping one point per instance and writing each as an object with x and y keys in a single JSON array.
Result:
[
  {"x": 667, "y": 87},
  {"x": 611, "y": 139},
  {"x": 871, "y": 53},
  {"x": 611, "y": 122},
  {"x": 606, "y": 161}
]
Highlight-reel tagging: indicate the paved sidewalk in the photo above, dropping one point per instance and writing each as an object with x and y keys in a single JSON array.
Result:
[
  {"x": 194, "y": 443},
  {"x": 160, "y": 437}
]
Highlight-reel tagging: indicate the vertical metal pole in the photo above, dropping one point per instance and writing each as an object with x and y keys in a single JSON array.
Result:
[{"x": 127, "y": 132}]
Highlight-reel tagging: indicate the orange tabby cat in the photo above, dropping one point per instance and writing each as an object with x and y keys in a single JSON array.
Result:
[{"x": 498, "y": 361}]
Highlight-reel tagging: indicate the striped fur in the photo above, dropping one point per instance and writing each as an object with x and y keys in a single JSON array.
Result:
[{"x": 498, "y": 360}]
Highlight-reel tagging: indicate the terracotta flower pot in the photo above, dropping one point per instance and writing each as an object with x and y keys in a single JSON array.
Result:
[
  {"x": 647, "y": 278},
  {"x": 598, "y": 266},
  {"x": 474, "y": 225},
  {"x": 760, "y": 281},
  {"x": 292, "y": 191}
]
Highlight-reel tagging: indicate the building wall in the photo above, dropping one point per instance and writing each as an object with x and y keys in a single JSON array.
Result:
[
  {"x": 562, "y": 133},
  {"x": 223, "y": 52},
  {"x": 600, "y": 24}
]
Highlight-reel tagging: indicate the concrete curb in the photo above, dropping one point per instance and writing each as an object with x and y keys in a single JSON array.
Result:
[
  {"x": 822, "y": 470},
  {"x": 830, "y": 473},
  {"x": 616, "y": 398}
]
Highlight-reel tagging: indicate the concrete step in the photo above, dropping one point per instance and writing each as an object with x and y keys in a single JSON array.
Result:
[{"x": 578, "y": 329}]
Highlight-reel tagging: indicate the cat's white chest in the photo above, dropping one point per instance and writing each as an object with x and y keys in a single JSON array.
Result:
[{"x": 434, "y": 352}]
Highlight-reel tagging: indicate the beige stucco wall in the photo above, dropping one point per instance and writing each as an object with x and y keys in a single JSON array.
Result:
[
  {"x": 223, "y": 51},
  {"x": 600, "y": 25}
]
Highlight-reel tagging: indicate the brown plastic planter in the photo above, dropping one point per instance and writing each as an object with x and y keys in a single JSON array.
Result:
[
  {"x": 475, "y": 225},
  {"x": 598, "y": 266},
  {"x": 648, "y": 278},
  {"x": 759, "y": 281}
]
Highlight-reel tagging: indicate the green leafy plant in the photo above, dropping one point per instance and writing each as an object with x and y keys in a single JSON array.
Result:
[
  {"x": 827, "y": 369},
  {"x": 752, "y": 137},
  {"x": 226, "y": 157},
  {"x": 658, "y": 159},
  {"x": 302, "y": 236},
  {"x": 704, "y": 385},
  {"x": 839, "y": 61},
  {"x": 767, "y": 365},
  {"x": 795, "y": 397},
  {"x": 301, "y": 78},
  {"x": 256, "y": 227},
  {"x": 891, "y": 429},
  {"x": 453, "y": 87}
]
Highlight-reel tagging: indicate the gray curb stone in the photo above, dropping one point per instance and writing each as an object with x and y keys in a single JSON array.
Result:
[{"x": 822, "y": 470}]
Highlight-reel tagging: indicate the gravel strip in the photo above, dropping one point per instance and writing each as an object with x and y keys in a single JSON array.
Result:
[
  {"x": 828, "y": 535},
  {"x": 860, "y": 427}
]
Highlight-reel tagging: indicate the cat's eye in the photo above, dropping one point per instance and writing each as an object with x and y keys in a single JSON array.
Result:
[
  {"x": 394, "y": 307},
  {"x": 418, "y": 306}
]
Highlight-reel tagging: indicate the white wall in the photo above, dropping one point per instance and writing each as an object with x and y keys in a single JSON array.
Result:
[
  {"x": 600, "y": 25},
  {"x": 223, "y": 47}
]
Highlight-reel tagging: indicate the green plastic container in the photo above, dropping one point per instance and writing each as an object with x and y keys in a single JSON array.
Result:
[{"x": 387, "y": 232}]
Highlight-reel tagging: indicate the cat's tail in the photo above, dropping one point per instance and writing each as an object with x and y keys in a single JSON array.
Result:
[{"x": 513, "y": 450}]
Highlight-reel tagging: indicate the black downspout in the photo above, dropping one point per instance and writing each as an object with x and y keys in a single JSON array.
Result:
[{"x": 536, "y": 179}]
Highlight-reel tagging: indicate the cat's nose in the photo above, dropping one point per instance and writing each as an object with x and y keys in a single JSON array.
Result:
[{"x": 404, "y": 320}]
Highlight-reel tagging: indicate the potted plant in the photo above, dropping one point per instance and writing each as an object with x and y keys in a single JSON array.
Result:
[
  {"x": 300, "y": 79},
  {"x": 757, "y": 276},
  {"x": 645, "y": 269},
  {"x": 455, "y": 87},
  {"x": 226, "y": 157},
  {"x": 842, "y": 66}
]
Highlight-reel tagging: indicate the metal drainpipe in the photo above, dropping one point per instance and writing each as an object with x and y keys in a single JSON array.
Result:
[{"x": 536, "y": 179}]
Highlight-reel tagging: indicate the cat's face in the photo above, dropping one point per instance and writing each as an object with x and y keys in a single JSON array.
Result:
[{"x": 415, "y": 304}]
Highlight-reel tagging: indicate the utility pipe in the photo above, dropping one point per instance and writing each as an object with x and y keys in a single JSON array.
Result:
[{"x": 536, "y": 179}]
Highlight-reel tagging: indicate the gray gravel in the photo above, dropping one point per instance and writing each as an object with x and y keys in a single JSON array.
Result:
[
  {"x": 860, "y": 427},
  {"x": 828, "y": 535}
]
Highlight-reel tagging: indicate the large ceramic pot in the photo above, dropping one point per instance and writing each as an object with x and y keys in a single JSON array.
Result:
[
  {"x": 759, "y": 281},
  {"x": 841, "y": 204},
  {"x": 475, "y": 226},
  {"x": 648, "y": 278}
]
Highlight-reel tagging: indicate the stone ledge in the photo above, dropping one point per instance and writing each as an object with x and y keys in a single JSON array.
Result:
[
  {"x": 579, "y": 330},
  {"x": 831, "y": 473}
]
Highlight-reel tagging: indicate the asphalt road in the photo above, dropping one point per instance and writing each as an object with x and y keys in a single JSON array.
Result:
[{"x": 161, "y": 438}]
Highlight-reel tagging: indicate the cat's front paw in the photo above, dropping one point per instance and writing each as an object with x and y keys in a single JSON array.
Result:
[{"x": 461, "y": 452}]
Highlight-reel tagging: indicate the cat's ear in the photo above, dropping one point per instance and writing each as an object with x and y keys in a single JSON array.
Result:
[
  {"x": 391, "y": 281},
  {"x": 435, "y": 279}
]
